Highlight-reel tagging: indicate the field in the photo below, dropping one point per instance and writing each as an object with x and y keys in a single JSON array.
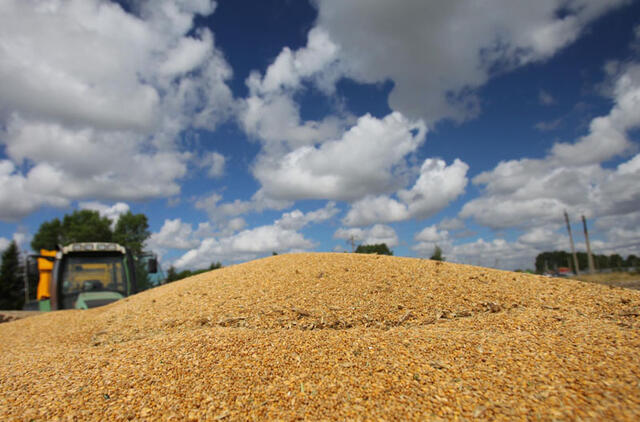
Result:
[
  {"x": 618, "y": 279},
  {"x": 334, "y": 336}
]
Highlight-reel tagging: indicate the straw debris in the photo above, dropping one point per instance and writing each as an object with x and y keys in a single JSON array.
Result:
[{"x": 333, "y": 336}]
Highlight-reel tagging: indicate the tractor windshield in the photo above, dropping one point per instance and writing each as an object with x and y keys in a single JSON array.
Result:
[{"x": 90, "y": 274}]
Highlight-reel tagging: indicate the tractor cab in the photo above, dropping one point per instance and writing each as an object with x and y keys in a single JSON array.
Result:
[{"x": 85, "y": 275}]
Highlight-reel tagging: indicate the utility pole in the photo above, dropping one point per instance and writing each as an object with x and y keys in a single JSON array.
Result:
[
  {"x": 592, "y": 267},
  {"x": 573, "y": 249},
  {"x": 546, "y": 266},
  {"x": 352, "y": 240},
  {"x": 25, "y": 273}
]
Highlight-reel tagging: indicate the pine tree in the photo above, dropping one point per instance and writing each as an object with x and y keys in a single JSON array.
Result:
[
  {"x": 172, "y": 274},
  {"x": 11, "y": 283},
  {"x": 437, "y": 254}
]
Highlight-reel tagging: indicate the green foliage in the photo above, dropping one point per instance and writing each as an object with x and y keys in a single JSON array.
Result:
[
  {"x": 131, "y": 231},
  {"x": 437, "y": 254},
  {"x": 85, "y": 226},
  {"x": 173, "y": 275},
  {"x": 601, "y": 261},
  {"x": 81, "y": 226},
  {"x": 142, "y": 276},
  {"x": 632, "y": 261},
  {"x": 555, "y": 259},
  {"x": 379, "y": 248},
  {"x": 616, "y": 261},
  {"x": 550, "y": 261},
  {"x": 49, "y": 235},
  {"x": 11, "y": 282}
]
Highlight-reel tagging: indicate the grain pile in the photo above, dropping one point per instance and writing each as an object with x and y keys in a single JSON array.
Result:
[{"x": 333, "y": 336}]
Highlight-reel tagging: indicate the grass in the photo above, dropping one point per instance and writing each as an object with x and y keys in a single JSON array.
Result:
[{"x": 618, "y": 279}]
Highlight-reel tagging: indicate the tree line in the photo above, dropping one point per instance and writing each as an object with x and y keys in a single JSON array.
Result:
[
  {"x": 131, "y": 230},
  {"x": 550, "y": 261},
  {"x": 383, "y": 249},
  {"x": 174, "y": 275}
]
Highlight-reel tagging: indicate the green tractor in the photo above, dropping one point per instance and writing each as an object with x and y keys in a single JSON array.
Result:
[{"x": 84, "y": 275}]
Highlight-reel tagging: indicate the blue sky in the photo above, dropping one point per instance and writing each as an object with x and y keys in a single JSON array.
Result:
[{"x": 242, "y": 127}]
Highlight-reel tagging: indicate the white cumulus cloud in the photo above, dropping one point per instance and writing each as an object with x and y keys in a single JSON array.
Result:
[
  {"x": 367, "y": 159},
  {"x": 112, "y": 212},
  {"x": 174, "y": 234},
  {"x": 608, "y": 135},
  {"x": 437, "y": 185},
  {"x": 270, "y": 112},
  {"x": 281, "y": 236},
  {"x": 376, "y": 234},
  {"x": 437, "y": 53},
  {"x": 430, "y": 237},
  {"x": 215, "y": 163},
  {"x": 93, "y": 98},
  {"x": 530, "y": 192}
]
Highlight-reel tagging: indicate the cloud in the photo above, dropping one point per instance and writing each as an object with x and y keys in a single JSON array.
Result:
[
  {"x": 219, "y": 211},
  {"x": 437, "y": 53},
  {"x": 93, "y": 98},
  {"x": 368, "y": 158},
  {"x": 178, "y": 234},
  {"x": 529, "y": 192},
  {"x": 550, "y": 125},
  {"x": 622, "y": 234},
  {"x": 214, "y": 162},
  {"x": 545, "y": 98},
  {"x": 497, "y": 252},
  {"x": 538, "y": 194},
  {"x": 22, "y": 238},
  {"x": 296, "y": 219},
  {"x": 270, "y": 113},
  {"x": 451, "y": 224},
  {"x": 276, "y": 119},
  {"x": 309, "y": 159},
  {"x": 430, "y": 237},
  {"x": 174, "y": 234},
  {"x": 72, "y": 163},
  {"x": 16, "y": 199},
  {"x": 607, "y": 137},
  {"x": 281, "y": 236},
  {"x": 290, "y": 68},
  {"x": 432, "y": 234},
  {"x": 112, "y": 212},
  {"x": 437, "y": 185},
  {"x": 4, "y": 244},
  {"x": 543, "y": 238},
  {"x": 373, "y": 235},
  {"x": 246, "y": 245},
  {"x": 521, "y": 253}
]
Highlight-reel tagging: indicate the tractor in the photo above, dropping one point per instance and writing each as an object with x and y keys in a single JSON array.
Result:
[{"x": 84, "y": 275}]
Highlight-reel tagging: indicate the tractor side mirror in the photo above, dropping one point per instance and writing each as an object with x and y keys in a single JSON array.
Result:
[{"x": 152, "y": 266}]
